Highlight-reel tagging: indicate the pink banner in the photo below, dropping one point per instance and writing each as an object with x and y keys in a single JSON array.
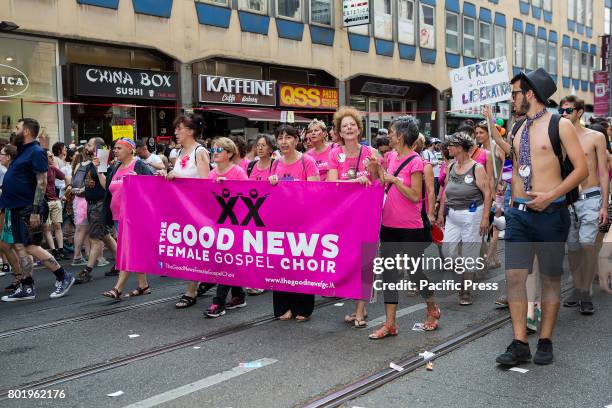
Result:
[
  {"x": 307, "y": 237},
  {"x": 602, "y": 93}
]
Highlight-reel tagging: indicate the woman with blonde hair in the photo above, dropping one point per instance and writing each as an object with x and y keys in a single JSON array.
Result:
[
  {"x": 349, "y": 164},
  {"x": 317, "y": 133},
  {"x": 227, "y": 159}
]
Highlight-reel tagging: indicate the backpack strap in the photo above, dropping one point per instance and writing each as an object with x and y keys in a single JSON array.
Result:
[
  {"x": 398, "y": 170},
  {"x": 251, "y": 166},
  {"x": 555, "y": 138}
]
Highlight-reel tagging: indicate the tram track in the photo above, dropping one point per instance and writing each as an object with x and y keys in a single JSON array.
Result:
[
  {"x": 146, "y": 354},
  {"x": 409, "y": 364}
]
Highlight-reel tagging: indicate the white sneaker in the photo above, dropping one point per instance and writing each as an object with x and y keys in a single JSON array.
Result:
[{"x": 102, "y": 262}]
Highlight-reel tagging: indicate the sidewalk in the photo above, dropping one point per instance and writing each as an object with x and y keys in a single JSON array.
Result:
[{"x": 581, "y": 375}]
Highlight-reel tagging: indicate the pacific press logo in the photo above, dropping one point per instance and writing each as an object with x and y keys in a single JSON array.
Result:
[{"x": 229, "y": 201}]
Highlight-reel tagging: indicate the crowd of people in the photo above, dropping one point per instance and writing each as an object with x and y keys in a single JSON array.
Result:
[{"x": 541, "y": 184}]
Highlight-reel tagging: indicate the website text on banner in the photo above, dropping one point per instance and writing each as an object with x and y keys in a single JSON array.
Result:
[
  {"x": 295, "y": 237},
  {"x": 481, "y": 84}
]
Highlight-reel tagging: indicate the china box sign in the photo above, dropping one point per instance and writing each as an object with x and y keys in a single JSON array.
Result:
[
  {"x": 304, "y": 96},
  {"x": 240, "y": 91},
  {"x": 125, "y": 83},
  {"x": 13, "y": 82}
]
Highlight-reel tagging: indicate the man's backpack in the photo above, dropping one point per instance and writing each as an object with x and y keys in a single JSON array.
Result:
[{"x": 564, "y": 162}]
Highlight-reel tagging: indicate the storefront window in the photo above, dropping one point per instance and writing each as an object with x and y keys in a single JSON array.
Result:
[
  {"x": 427, "y": 28},
  {"x": 567, "y": 62},
  {"x": 542, "y": 48},
  {"x": 575, "y": 64},
  {"x": 484, "y": 32},
  {"x": 518, "y": 49},
  {"x": 469, "y": 37},
  {"x": 291, "y": 9},
  {"x": 321, "y": 12},
  {"x": 452, "y": 33},
  {"x": 405, "y": 22},
  {"x": 256, "y": 6},
  {"x": 31, "y": 66},
  {"x": 584, "y": 66},
  {"x": 530, "y": 52},
  {"x": 500, "y": 41},
  {"x": 552, "y": 58},
  {"x": 383, "y": 27}
]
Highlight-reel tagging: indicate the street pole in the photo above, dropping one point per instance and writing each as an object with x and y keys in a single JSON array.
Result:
[{"x": 610, "y": 69}]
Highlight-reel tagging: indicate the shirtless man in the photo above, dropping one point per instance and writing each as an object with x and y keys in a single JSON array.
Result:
[
  {"x": 538, "y": 221},
  {"x": 591, "y": 209}
]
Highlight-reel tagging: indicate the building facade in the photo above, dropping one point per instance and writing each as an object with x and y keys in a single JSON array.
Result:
[{"x": 147, "y": 59}]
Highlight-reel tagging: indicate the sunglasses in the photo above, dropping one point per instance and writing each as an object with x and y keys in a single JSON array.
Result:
[
  {"x": 568, "y": 110},
  {"x": 216, "y": 150}
]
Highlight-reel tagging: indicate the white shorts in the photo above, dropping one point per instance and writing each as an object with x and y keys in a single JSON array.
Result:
[{"x": 463, "y": 227}]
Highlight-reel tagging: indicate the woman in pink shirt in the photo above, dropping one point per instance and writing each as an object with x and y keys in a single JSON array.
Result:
[
  {"x": 225, "y": 155},
  {"x": 317, "y": 132},
  {"x": 402, "y": 222},
  {"x": 292, "y": 166},
  {"x": 126, "y": 165},
  {"x": 261, "y": 169},
  {"x": 349, "y": 163}
]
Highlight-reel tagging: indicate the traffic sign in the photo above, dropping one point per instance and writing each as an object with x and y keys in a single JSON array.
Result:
[{"x": 355, "y": 12}]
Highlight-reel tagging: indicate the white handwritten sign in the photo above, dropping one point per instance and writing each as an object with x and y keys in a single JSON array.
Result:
[{"x": 481, "y": 84}]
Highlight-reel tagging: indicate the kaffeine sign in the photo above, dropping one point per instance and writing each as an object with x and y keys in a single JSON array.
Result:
[
  {"x": 218, "y": 89},
  {"x": 13, "y": 82},
  {"x": 125, "y": 83}
]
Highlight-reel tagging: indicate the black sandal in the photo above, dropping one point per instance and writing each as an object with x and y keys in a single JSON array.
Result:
[
  {"x": 185, "y": 302},
  {"x": 140, "y": 292},
  {"x": 113, "y": 294}
]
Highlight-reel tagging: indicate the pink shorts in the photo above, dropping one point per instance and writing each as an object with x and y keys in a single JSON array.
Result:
[{"x": 80, "y": 211}]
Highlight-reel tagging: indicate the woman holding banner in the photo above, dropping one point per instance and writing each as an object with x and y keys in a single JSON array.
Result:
[
  {"x": 192, "y": 162},
  {"x": 349, "y": 163},
  {"x": 228, "y": 167},
  {"x": 402, "y": 222},
  {"x": 292, "y": 166},
  {"x": 126, "y": 165}
]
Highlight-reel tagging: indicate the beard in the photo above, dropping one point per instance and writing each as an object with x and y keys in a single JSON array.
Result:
[
  {"x": 19, "y": 140},
  {"x": 523, "y": 108}
]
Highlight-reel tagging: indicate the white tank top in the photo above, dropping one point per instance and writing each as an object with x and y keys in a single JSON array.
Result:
[{"x": 186, "y": 167}]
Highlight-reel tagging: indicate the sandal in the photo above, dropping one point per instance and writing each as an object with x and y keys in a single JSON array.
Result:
[
  {"x": 432, "y": 314},
  {"x": 353, "y": 317},
  {"x": 185, "y": 302},
  {"x": 360, "y": 324},
  {"x": 384, "y": 331},
  {"x": 140, "y": 292},
  {"x": 113, "y": 294}
]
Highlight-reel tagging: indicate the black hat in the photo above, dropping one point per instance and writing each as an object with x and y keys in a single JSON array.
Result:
[{"x": 540, "y": 82}]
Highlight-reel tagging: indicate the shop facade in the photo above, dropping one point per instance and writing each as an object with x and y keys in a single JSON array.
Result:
[
  {"x": 29, "y": 81},
  {"x": 248, "y": 99},
  {"x": 135, "y": 97},
  {"x": 383, "y": 100}
]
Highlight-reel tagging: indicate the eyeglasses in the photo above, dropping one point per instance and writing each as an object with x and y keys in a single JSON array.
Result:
[
  {"x": 568, "y": 110},
  {"x": 517, "y": 92},
  {"x": 216, "y": 150}
]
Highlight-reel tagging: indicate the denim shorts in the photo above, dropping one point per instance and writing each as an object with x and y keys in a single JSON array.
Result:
[{"x": 536, "y": 233}]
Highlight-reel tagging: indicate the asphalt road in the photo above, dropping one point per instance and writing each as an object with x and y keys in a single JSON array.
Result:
[{"x": 246, "y": 359}]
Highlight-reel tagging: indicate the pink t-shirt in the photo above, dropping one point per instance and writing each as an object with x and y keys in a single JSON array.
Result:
[
  {"x": 244, "y": 163},
  {"x": 116, "y": 188},
  {"x": 399, "y": 211},
  {"x": 322, "y": 160},
  {"x": 338, "y": 161},
  {"x": 481, "y": 157},
  {"x": 234, "y": 173},
  {"x": 303, "y": 168},
  {"x": 258, "y": 174}
]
